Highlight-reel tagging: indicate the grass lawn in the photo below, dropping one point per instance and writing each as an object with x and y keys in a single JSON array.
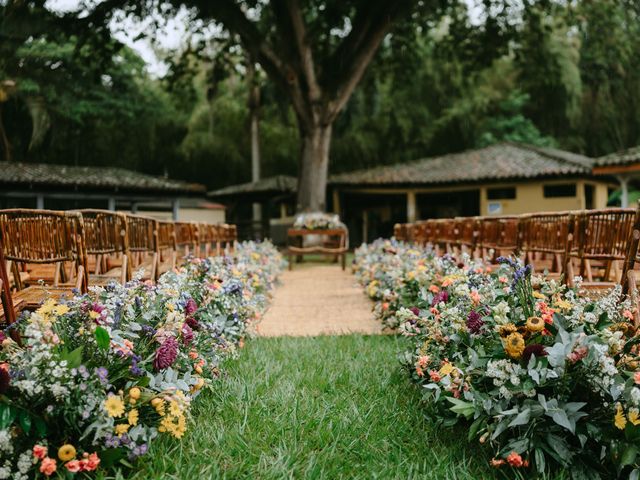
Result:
[{"x": 315, "y": 408}]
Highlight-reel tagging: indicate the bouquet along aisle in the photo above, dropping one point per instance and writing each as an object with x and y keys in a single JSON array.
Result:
[
  {"x": 96, "y": 379},
  {"x": 544, "y": 377}
]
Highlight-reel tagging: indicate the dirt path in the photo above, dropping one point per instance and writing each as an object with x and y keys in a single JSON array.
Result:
[{"x": 318, "y": 300}]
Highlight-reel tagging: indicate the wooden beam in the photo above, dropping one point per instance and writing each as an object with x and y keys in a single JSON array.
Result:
[{"x": 614, "y": 169}]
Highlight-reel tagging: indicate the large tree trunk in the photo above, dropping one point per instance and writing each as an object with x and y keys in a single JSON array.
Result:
[{"x": 314, "y": 167}]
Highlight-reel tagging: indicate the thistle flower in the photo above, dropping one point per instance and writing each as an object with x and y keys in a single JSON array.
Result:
[{"x": 187, "y": 334}]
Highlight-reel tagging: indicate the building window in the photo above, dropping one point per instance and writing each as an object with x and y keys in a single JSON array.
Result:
[
  {"x": 502, "y": 193},
  {"x": 560, "y": 190}
]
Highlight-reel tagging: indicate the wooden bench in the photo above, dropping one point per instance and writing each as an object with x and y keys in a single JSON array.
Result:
[{"x": 338, "y": 247}]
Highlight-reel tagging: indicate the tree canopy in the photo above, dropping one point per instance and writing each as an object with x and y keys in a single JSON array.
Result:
[{"x": 441, "y": 80}]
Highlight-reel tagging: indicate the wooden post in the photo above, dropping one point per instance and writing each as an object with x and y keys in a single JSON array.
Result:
[{"x": 411, "y": 207}]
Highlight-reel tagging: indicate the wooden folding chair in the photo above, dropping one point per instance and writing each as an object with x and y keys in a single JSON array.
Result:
[
  {"x": 8, "y": 310},
  {"x": 106, "y": 243},
  {"x": 400, "y": 232},
  {"x": 228, "y": 237},
  {"x": 186, "y": 238},
  {"x": 466, "y": 235},
  {"x": 498, "y": 237},
  {"x": 167, "y": 250},
  {"x": 208, "y": 239},
  {"x": 599, "y": 246},
  {"x": 43, "y": 237},
  {"x": 143, "y": 246},
  {"x": 544, "y": 238}
]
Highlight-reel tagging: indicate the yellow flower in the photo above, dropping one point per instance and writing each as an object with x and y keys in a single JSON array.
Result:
[
  {"x": 411, "y": 275},
  {"x": 66, "y": 452},
  {"x": 539, "y": 295},
  {"x": 174, "y": 408},
  {"x": 562, "y": 304},
  {"x": 446, "y": 369},
  {"x": 506, "y": 330},
  {"x": 619, "y": 420},
  {"x": 61, "y": 309},
  {"x": 47, "y": 307},
  {"x": 122, "y": 429},
  {"x": 514, "y": 345},
  {"x": 134, "y": 393},
  {"x": 535, "y": 324},
  {"x": 133, "y": 417},
  {"x": 633, "y": 416},
  {"x": 94, "y": 315},
  {"x": 114, "y": 406}
]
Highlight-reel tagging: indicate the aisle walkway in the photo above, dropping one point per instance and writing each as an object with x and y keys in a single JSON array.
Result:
[{"x": 318, "y": 300}]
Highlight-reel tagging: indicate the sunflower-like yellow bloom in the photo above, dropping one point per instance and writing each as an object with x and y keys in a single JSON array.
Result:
[
  {"x": 122, "y": 429},
  {"x": 67, "y": 452},
  {"x": 506, "y": 330},
  {"x": 535, "y": 324},
  {"x": 633, "y": 416},
  {"x": 514, "y": 345}
]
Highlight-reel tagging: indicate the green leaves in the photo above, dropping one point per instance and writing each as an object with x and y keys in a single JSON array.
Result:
[{"x": 102, "y": 338}]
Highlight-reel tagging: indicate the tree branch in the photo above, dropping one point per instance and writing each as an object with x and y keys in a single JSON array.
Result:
[
  {"x": 304, "y": 49},
  {"x": 370, "y": 27},
  {"x": 229, "y": 14}
]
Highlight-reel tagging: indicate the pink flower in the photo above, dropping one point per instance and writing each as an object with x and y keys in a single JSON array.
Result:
[
  {"x": 435, "y": 376},
  {"x": 74, "y": 466},
  {"x": 578, "y": 354},
  {"x": 48, "y": 466},
  {"x": 636, "y": 378},
  {"x": 39, "y": 451},
  {"x": 90, "y": 462},
  {"x": 514, "y": 459}
]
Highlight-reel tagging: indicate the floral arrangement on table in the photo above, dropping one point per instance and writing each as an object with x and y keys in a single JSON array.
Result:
[
  {"x": 318, "y": 221},
  {"x": 547, "y": 378},
  {"x": 95, "y": 379}
]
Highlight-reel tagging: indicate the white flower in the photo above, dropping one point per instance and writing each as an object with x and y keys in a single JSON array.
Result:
[
  {"x": 5, "y": 442},
  {"x": 25, "y": 461},
  {"x": 500, "y": 313},
  {"x": 635, "y": 396}
]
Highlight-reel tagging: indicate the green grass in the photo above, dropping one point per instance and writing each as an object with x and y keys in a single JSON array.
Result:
[{"x": 315, "y": 408}]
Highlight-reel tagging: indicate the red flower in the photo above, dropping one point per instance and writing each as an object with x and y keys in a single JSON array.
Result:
[{"x": 514, "y": 459}]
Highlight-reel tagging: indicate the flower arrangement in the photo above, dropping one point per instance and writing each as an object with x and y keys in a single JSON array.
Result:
[
  {"x": 318, "y": 221},
  {"x": 548, "y": 378},
  {"x": 93, "y": 380}
]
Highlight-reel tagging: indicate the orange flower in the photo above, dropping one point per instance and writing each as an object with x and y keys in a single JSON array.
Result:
[
  {"x": 434, "y": 289},
  {"x": 193, "y": 354},
  {"x": 48, "y": 466},
  {"x": 636, "y": 378},
  {"x": 39, "y": 451},
  {"x": 497, "y": 462},
  {"x": 514, "y": 459}
]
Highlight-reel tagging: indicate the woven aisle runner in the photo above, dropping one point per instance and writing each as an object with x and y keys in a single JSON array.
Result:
[{"x": 318, "y": 300}]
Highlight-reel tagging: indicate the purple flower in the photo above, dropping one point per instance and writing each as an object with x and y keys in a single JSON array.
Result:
[
  {"x": 193, "y": 323},
  {"x": 187, "y": 334},
  {"x": 441, "y": 296},
  {"x": 474, "y": 322},
  {"x": 134, "y": 368},
  {"x": 191, "y": 307},
  {"x": 533, "y": 349},
  {"x": 102, "y": 374},
  {"x": 166, "y": 354},
  {"x": 5, "y": 380},
  {"x": 415, "y": 310},
  {"x": 138, "y": 451}
]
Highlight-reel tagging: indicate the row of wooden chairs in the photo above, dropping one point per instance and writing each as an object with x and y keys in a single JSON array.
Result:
[
  {"x": 601, "y": 246},
  {"x": 48, "y": 253}
]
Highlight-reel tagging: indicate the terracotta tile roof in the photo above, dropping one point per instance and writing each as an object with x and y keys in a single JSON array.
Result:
[
  {"x": 503, "y": 161},
  {"x": 101, "y": 178},
  {"x": 276, "y": 184},
  {"x": 624, "y": 157}
]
